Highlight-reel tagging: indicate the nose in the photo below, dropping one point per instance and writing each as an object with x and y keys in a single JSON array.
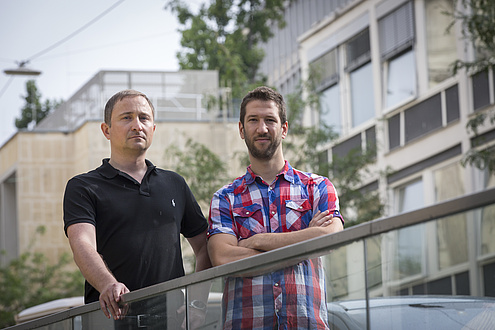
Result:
[
  {"x": 136, "y": 124},
  {"x": 262, "y": 127}
]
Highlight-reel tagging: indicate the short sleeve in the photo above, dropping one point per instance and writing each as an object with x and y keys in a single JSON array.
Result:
[{"x": 78, "y": 204}]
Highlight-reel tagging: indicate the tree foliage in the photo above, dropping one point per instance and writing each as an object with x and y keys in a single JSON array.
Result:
[
  {"x": 34, "y": 107},
  {"x": 30, "y": 280},
  {"x": 225, "y": 36},
  {"x": 203, "y": 170},
  {"x": 477, "y": 20}
]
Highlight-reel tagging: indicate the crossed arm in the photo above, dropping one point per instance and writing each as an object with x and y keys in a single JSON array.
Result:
[{"x": 224, "y": 248}]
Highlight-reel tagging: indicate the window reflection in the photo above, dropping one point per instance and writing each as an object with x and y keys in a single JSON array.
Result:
[
  {"x": 362, "y": 99},
  {"x": 330, "y": 108},
  {"x": 410, "y": 196},
  {"x": 401, "y": 80},
  {"x": 441, "y": 46},
  {"x": 451, "y": 231}
]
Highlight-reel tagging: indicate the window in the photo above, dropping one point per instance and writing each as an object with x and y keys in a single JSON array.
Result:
[
  {"x": 8, "y": 219},
  {"x": 362, "y": 96},
  {"x": 401, "y": 79},
  {"x": 396, "y": 33},
  {"x": 361, "y": 79},
  {"x": 406, "y": 251},
  {"x": 410, "y": 196},
  {"x": 451, "y": 231},
  {"x": 330, "y": 108},
  {"x": 325, "y": 75},
  {"x": 440, "y": 44}
]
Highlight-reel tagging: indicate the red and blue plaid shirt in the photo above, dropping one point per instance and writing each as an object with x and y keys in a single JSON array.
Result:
[{"x": 291, "y": 298}]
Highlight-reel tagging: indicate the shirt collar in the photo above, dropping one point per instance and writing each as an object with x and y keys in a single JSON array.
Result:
[
  {"x": 287, "y": 172},
  {"x": 109, "y": 172}
]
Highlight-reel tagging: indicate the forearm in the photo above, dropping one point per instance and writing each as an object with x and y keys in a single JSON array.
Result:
[
  {"x": 271, "y": 241},
  {"x": 92, "y": 266},
  {"x": 222, "y": 253},
  {"x": 202, "y": 260}
]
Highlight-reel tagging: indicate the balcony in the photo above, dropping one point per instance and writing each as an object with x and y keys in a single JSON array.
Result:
[{"x": 432, "y": 267}]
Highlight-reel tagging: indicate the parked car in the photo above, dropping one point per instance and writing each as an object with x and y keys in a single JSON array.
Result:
[{"x": 414, "y": 312}]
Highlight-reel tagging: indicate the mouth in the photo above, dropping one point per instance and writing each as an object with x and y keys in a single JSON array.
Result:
[{"x": 262, "y": 139}]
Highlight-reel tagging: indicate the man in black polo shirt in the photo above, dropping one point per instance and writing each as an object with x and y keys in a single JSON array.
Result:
[{"x": 124, "y": 219}]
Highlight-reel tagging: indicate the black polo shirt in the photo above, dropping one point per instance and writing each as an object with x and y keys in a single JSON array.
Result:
[{"x": 138, "y": 226}]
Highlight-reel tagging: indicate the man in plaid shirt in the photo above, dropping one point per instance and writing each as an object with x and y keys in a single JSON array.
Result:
[{"x": 273, "y": 205}]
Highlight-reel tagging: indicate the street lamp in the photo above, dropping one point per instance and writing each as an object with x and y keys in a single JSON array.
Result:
[{"x": 22, "y": 70}]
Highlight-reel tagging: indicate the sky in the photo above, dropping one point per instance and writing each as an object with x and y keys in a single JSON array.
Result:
[{"x": 134, "y": 35}]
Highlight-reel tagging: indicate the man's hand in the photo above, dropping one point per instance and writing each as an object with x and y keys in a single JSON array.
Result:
[
  {"x": 109, "y": 300},
  {"x": 321, "y": 219}
]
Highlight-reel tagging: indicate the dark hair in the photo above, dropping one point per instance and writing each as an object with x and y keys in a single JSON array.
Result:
[
  {"x": 264, "y": 93},
  {"x": 118, "y": 97}
]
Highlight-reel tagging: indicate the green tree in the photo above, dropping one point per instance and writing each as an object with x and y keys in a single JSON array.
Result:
[
  {"x": 203, "y": 170},
  {"x": 477, "y": 18},
  {"x": 34, "y": 107},
  {"x": 30, "y": 280},
  {"x": 225, "y": 36}
]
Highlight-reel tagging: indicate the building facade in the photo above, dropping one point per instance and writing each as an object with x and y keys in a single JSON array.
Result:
[{"x": 383, "y": 69}]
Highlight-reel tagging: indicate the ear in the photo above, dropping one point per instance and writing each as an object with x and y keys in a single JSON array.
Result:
[
  {"x": 106, "y": 130},
  {"x": 241, "y": 130},
  {"x": 285, "y": 129}
]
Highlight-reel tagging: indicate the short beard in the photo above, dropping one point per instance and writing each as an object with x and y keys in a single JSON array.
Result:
[{"x": 265, "y": 154}]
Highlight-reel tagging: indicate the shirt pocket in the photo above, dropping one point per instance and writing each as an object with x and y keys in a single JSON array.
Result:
[
  {"x": 296, "y": 214},
  {"x": 248, "y": 220}
]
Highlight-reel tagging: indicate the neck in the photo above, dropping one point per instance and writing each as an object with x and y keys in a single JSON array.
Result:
[
  {"x": 268, "y": 169},
  {"x": 135, "y": 167}
]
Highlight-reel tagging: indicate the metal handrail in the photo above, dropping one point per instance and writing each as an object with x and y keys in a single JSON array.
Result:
[{"x": 287, "y": 255}]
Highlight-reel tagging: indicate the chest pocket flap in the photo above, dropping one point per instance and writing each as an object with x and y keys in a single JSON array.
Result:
[
  {"x": 248, "y": 220},
  {"x": 300, "y": 205}
]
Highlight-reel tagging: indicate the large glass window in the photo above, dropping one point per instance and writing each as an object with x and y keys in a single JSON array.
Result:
[
  {"x": 358, "y": 66},
  {"x": 488, "y": 220},
  {"x": 330, "y": 108},
  {"x": 325, "y": 76},
  {"x": 440, "y": 44},
  {"x": 362, "y": 100},
  {"x": 410, "y": 196},
  {"x": 401, "y": 79},
  {"x": 396, "y": 35},
  {"x": 451, "y": 231}
]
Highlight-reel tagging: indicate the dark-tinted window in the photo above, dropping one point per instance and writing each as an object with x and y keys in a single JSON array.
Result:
[
  {"x": 394, "y": 132},
  {"x": 441, "y": 286},
  {"x": 452, "y": 102},
  {"x": 481, "y": 94},
  {"x": 462, "y": 284},
  {"x": 342, "y": 149},
  {"x": 371, "y": 139},
  {"x": 489, "y": 279},
  {"x": 423, "y": 118}
]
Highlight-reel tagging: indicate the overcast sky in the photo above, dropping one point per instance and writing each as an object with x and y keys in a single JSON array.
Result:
[{"x": 135, "y": 35}]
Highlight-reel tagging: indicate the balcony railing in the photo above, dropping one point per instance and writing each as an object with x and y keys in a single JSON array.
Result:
[{"x": 433, "y": 267}]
